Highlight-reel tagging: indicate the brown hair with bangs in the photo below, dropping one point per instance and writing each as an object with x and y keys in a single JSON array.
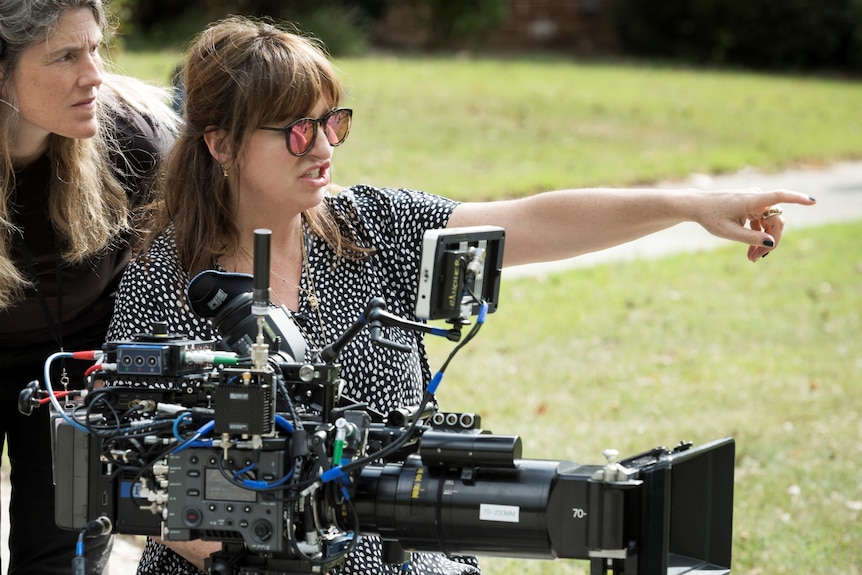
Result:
[{"x": 239, "y": 74}]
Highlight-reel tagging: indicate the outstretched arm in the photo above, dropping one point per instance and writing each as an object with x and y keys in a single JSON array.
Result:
[{"x": 566, "y": 223}]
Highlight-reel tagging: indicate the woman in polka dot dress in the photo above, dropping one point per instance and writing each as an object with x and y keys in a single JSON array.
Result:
[{"x": 262, "y": 118}]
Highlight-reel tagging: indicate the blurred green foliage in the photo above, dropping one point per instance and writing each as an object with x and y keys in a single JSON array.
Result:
[
  {"x": 456, "y": 24},
  {"x": 344, "y": 26},
  {"x": 769, "y": 34},
  {"x": 764, "y": 34}
]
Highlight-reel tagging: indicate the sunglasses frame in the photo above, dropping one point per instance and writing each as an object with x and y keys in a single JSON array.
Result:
[{"x": 318, "y": 123}]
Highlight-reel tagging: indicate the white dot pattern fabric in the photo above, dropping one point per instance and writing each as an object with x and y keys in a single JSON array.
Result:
[{"x": 391, "y": 221}]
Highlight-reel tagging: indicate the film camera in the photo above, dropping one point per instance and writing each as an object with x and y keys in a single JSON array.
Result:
[{"x": 256, "y": 448}]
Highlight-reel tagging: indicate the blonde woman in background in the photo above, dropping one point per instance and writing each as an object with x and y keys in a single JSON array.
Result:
[{"x": 79, "y": 151}]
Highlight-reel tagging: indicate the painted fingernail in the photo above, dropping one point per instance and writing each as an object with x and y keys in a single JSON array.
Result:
[
  {"x": 768, "y": 243},
  {"x": 812, "y": 198}
]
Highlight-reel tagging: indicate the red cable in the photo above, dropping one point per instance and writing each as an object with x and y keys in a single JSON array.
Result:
[
  {"x": 92, "y": 368},
  {"x": 58, "y": 395}
]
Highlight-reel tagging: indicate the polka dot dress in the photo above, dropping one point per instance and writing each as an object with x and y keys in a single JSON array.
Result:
[{"x": 392, "y": 222}]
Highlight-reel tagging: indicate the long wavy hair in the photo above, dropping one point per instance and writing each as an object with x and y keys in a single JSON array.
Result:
[
  {"x": 85, "y": 185},
  {"x": 239, "y": 74}
]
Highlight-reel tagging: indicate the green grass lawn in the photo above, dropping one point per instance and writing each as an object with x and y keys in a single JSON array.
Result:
[
  {"x": 645, "y": 353},
  {"x": 483, "y": 129},
  {"x": 493, "y": 128}
]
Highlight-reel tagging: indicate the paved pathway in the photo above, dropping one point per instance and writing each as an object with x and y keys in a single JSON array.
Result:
[{"x": 837, "y": 188}]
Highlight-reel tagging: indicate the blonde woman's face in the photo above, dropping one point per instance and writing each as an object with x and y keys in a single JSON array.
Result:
[{"x": 57, "y": 82}]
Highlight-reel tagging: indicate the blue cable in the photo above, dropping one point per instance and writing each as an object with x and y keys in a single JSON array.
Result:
[
  {"x": 260, "y": 485},
  {"x": 483, "y": 313},
  {"x": 284, "y": 424},
  {"x": 236, "y": 474},
  {"x": 176, "y": 426},
  {"x": 204, "y": 429},
  {"x": 435, "y": 382}
]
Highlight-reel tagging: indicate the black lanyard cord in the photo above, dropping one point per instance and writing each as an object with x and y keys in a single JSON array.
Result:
[{"x": 56, "y": 328}]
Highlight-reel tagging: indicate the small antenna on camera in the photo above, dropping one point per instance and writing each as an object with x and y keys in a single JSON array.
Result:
[
  {"x": 260, "y": 300},
  {"x": 260, "y": 288}
]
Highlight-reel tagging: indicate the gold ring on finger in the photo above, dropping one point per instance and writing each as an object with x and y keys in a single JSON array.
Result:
[{"x": 772, "y": 212}]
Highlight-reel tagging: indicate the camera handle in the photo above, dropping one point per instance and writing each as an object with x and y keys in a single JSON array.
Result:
[{"x": 374, "y": 316}]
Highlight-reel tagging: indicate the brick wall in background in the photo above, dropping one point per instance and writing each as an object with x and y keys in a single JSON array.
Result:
[{"x": 577, "y": 26}]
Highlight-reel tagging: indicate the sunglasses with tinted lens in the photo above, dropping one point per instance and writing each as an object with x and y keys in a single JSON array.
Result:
[{"x": 300, "y": 135}]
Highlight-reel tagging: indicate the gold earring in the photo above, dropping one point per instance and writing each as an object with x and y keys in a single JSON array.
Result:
[{"x": 224, "y": 170}]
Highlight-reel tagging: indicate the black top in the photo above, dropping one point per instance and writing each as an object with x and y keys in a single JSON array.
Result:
[{"x": 26, "y": 329}]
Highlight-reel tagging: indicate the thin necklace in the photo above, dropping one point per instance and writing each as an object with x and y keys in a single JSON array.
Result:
[{"x": 311, "y": 292}]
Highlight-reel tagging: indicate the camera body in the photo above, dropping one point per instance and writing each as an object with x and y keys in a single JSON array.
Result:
[
  {"x": 262, "y": 451},
  {"x": 455, "y": 489}
]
